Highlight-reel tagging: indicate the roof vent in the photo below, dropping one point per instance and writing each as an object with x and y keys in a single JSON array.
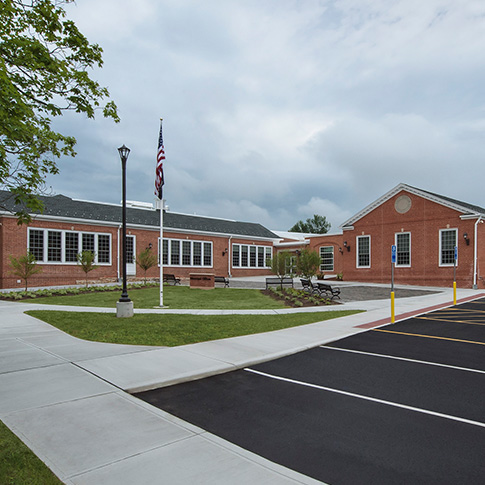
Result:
[{"x": 139, "y": 205}]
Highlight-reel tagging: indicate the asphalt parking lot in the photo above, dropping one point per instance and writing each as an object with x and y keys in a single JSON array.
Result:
[{"x": 402, "y": 403}]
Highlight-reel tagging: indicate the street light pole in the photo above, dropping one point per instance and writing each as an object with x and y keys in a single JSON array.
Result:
[{"x": 124, "y": 307}]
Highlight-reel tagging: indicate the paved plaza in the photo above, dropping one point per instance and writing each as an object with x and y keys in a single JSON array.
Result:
[{"x": 69, "y": 400}]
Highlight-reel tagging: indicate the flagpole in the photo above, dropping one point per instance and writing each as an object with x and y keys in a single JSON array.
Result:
[
  {"x": 161, "y": 251},
  {"x": 159, "y": 181}
]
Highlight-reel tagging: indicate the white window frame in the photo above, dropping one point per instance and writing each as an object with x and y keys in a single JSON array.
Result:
[
  {"x": 252, "y": 255},
  {"x": 397, "y": 249},
  {"x": 440, "y": 259},
  {"x": 357, "y": 252},
  {"x": 63, "y": 232},
  {"x": 327, "y": 254},
  {"x": 203, "y": 255}
]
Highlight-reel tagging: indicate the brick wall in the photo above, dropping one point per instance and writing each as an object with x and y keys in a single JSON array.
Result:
[
  {"x": 13, "y": 241},
  {"x": 423, "y": 220}
]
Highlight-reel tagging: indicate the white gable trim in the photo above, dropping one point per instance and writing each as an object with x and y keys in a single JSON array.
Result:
[{"x": 412, "y": 190}]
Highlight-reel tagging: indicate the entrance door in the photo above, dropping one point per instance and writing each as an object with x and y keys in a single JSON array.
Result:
[{"x": 130, "y": 255}]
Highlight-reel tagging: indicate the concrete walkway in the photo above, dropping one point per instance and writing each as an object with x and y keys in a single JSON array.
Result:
[{"x": 67, "y": 399}]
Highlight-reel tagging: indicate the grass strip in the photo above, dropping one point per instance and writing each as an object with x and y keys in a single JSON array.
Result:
[
  {"x": 173, "y": 330},
  {"x": 19, "y": 465},
  {"x": 180, "y": 297}
]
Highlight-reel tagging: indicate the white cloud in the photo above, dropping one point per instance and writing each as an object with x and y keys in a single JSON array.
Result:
[{"x": 277, "y": 110}]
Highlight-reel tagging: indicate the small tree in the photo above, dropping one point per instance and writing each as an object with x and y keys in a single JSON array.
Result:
[
  {"x": 146, "y": 260},
  {"x": 24, "y": 267},
  {"x": 86, "y": 259},
  {"x": 281, "y": 265},
  {"x": 308, "y": 263}
]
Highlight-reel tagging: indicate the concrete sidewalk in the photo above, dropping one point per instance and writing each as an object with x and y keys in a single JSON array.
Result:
[{"x": 67, "y": 400}]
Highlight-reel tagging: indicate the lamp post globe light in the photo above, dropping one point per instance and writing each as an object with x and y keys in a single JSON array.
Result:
[{"x": 124, "y": 307}]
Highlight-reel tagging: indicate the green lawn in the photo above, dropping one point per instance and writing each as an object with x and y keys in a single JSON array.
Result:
[
  {"x": 19, "y": 465},
  {"x": 181, "y": 297},
  {"x": 173, "y": 330}
]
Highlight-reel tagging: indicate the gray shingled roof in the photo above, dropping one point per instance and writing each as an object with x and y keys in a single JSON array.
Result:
[
  {"x": 67, "y": 208},
  {"x": 474, "y": 209}
]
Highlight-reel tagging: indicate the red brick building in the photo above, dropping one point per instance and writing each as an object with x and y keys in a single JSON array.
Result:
[
  {"x": 191, "y": 244},
  {"x": 425, "y": 227}
]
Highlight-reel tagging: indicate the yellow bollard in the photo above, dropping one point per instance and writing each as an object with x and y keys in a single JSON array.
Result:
[
  {"x": 454, "y": 292},
  {"x": 392, "y": 307}
]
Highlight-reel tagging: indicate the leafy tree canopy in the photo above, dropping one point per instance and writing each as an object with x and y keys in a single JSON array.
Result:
[
  {"x": 44, "y": 63},
  {"x": 315, "y": 225}
]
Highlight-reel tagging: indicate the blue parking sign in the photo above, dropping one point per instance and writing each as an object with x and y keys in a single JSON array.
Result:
[
  {"x": 393, "y": 253},
  {"x": 456, "y": 253}
]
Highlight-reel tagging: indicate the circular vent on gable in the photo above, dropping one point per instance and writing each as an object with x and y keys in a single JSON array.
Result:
[{"x": 403, "y": 204}]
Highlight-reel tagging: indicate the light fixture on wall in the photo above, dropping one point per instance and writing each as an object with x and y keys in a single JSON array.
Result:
[
  {"x": 224, "y": 252},
  {"x": 150, "y": 246},
  {"x": 340, "y": 250},
  {"x": 346, "y": 246},
  {"x": 467, "y": 239}
]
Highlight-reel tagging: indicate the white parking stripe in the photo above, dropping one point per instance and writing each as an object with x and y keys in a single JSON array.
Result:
[
  {"x": 368, "y": 398},
  {"x": 403, "y": 358}
]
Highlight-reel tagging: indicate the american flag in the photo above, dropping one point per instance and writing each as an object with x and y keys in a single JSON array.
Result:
[{"x": 159, "y": 170}]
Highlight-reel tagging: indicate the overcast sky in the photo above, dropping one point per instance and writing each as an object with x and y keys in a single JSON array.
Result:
[{"x": 275, "y": 110}]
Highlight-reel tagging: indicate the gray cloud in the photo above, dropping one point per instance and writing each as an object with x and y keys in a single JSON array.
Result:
[{"x": 277, "y": 110}]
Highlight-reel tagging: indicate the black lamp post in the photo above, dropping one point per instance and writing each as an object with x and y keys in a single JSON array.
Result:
[{"x": 124, "y": 152}]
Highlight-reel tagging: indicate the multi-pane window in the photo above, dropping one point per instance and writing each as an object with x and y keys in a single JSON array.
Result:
[
  {"x": 250, "y": 256},
  {"x": 174, "y": 252},
  {"x": 104, "y": 248},
  {"x": 130, "y": 249},
  {"x": 186, "y": 253},
  {"x": 49, "y": 246},
  {"x": 71, "y": 247},
  {"x": 207, "y": 254},
  {"x": 197, "y": 246},
  {"x": 244, "y": 256},
  {"x": 363, "y": 252},
  {"x": 403, "y": 249},
  {"x": 88, "y": 242},
  {"x": 447, "y": 246},
  {"x": 326, "y": 257},
  {"x": 269, "y": 256},
  {"x": 54, "y": 246},
  {"x": 36, "y": 244},
  {"x": 236, "y": 254},
  {"x": 165, "y": 252}
]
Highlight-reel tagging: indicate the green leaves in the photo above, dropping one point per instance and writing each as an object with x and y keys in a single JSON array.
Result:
[
  {"x": 316, "y": 225},
  {"x": 44, "y": 71}
]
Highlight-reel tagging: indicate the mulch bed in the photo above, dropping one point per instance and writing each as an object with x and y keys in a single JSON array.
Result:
[{"x": 291, "y": 297}]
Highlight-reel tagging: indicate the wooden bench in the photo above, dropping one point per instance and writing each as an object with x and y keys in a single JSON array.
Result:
[
  {"x": 328, "y": 290},
  {"x": 171, "y": 279},
  {"x": 222, "y": 279},
  {"x": 279, "y": 282}
]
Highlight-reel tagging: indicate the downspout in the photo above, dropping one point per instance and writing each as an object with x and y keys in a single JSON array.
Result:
[
  {"x": 229, "y": 257},
  {"x": 475, "y": 251}
]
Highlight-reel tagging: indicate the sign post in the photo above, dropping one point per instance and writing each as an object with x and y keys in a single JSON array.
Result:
[
  {"x": 393, "y": 262},
  {"x": 455, "y": 259}
]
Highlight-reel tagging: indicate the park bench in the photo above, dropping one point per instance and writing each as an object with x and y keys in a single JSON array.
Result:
[
  {"x": 308, "y": 286},
  {"x": 328, "y": 290},
  {"x": 222, "y": 279},
  {"x": 171, "y": 279},
  {"x": 279, "y": 282}
]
